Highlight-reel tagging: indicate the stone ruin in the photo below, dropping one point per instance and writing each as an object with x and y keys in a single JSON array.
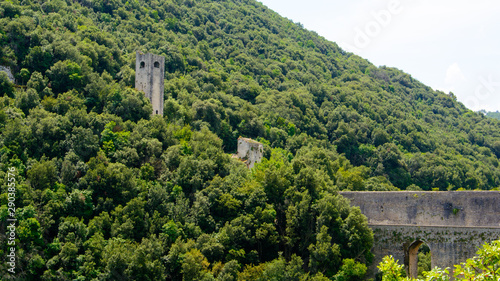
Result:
[
  {"x": 250, "y": 151},
  {"x": 7, "y": 70}
]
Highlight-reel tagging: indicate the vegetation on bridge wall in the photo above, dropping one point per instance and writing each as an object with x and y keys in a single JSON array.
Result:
[
  {"x": 449, "y": 245},
  {"x": 485, "y": 265}
]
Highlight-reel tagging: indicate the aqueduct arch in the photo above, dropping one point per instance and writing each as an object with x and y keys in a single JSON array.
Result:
[
  {"x": 453, "y": 224},
  {"x": 411, "y": 257}
]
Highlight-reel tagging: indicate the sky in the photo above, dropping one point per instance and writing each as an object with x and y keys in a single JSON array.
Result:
[{"x": 449, "y": 45}]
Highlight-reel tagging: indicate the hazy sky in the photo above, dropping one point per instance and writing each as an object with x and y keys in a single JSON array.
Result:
[{"x": 450, "y": 45}]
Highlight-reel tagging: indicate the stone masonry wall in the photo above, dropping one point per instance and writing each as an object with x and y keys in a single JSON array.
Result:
[
  {"x": 449, "y": 245},
  {"x": 453, "y": 224},
  {"x": 250, "y": 151},
  {"x": 149, "y": 78},
  {"x": 454, "y": 208}
]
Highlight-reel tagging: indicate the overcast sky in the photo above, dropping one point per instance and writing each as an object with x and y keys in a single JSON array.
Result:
[{"x": 450, "y": 45}]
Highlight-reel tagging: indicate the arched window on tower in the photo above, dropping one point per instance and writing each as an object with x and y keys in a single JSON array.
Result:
[
  {"x": 157, "y": 64},
  {"x": 143, "y": 64}
]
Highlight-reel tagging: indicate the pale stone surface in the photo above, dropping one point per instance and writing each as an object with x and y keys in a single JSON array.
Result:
[
  {"x": 250, "y": 151},
  {"x": 453, "y": 208},
  {"x": 453, "y": 224},
  {"x": 7, "y": 70},
  {"x": 149, "y": 78}
]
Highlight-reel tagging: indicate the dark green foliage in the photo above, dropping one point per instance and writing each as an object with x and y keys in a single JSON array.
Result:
[
  {"x": 6, "y": 86},
  {"x": 424, "y": 260},
  {"x": 129, "y": 105},
  {"x": 105, "y": 191},
  {"x": 65, "y": 75},
  {"x": 27, "y": 100}
]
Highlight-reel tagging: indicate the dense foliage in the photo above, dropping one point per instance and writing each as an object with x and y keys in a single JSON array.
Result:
[
  {"x": 105, "y": 191},
  {"x": 484, "y": 266}
]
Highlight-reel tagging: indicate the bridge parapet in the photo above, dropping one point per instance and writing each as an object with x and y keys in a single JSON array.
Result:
[{"x": 454, "y": 208}]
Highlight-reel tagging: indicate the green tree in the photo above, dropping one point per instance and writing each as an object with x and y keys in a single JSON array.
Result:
[
  {"x": 484, "y": 266},
  {"x": 391, "y": 270},
  {"x": 27, "y": 100},
  {"x": 37, "y": 82},
  {"x": 325, "y": 255},
  {"x": 83, "y": 143},
  {"x": 43, "y": 174},
  {"x": 6, "y": 86},
  {"x": 194, "y": 266},
  {"x": 65, "y": 75},
  {"x": 351, "y": 270},
  {"x": 117, "y": 257},
  {"x": 129, "y": 104}
]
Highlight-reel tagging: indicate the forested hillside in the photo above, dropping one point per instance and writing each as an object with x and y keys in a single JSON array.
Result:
[
  {"x": 492, "y": 114},
  {"x": 104, "y": 191}
]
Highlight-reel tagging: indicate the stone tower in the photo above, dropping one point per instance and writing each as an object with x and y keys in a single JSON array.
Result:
[{"x": 149, "y": 76}]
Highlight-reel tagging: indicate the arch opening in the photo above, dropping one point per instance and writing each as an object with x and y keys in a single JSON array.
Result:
[
  {"x": 157, "y": 64},
  {"x": 143, "y": 64},
  {"x": 417, "y": 259}
]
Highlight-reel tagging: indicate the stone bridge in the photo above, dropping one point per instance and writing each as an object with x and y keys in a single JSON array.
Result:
[{"x": 453, "y": 224}]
